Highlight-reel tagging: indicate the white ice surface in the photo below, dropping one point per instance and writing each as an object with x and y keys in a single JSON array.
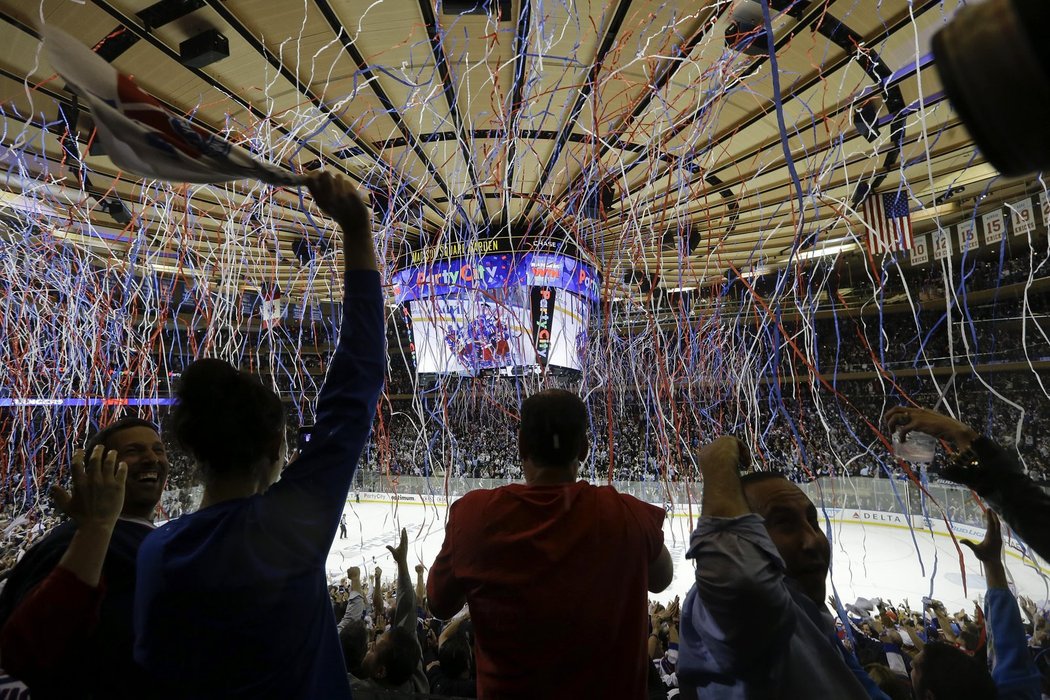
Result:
[{"x": 868, "y": 560}]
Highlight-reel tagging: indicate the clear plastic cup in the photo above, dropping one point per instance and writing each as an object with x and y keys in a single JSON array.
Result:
[{"x": 918, "y": 448}]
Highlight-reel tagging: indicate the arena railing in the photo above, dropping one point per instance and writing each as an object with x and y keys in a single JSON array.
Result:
[{"x": 858, "y": 493}]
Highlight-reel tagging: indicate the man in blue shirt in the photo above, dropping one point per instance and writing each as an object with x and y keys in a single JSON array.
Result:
[{"x": 755, "y": 625}]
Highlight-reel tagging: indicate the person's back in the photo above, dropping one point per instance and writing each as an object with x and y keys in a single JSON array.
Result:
[
  {"x": 232, "y": 600},
  {"x": 556, "y": 580},
  {"x": 257, "y": 624},
  {"x": 555, "y": 573}
]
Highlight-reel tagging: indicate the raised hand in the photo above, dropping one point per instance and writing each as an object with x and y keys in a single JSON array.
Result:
[
  {"x": 338, "y": 198},
  {"x": 98, "y": 490},
  {"x": 400, "y": 554},
  {"x": 990, "y": 549},
  {"x": 725, "y": 451},
  {"x": 96, "y": 502},
  {"x": 904, "y": 419}
]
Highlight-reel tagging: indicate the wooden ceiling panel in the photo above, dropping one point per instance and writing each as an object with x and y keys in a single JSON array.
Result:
[{"x": 682, "y": 137}]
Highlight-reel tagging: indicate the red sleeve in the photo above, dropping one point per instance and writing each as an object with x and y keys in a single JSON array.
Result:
[
  {"x": 651, "y": 520},
  {"x": 445, "y": 597},
  {"x": 59, "y": 613}
]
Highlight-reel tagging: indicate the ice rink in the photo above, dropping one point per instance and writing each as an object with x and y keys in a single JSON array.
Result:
[{"x": 869, "y": 559}]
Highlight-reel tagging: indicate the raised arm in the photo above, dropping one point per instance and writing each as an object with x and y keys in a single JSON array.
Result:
[
  {"x": 305, "y": 505},
  {"x": 1014, "y": 671},
  {"x": 445, "y": 595},
  {"x": 988, "y": 469},
  {"x": 744, "y": 607},
  {"x": 48, "y": 626},
  {"x": 405, "y": 614},
  {"x": 378, "y": 609},
  {"x": 720, "y": 462},
  {"x": 421, "y": 586}
]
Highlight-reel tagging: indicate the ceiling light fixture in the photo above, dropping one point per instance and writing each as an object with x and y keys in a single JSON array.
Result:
[{"x": 827, "y": 250}]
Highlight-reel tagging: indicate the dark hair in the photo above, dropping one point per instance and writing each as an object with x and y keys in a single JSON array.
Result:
[
  {"x": 455, "y": 654},
  {"x": 970, "y": 636},
  {"x": 400, "y": 656},
  {"x": 758, "y": 477},
  {"x": 225, "y": 418},
  {"x": 103, "y": 436},
  {"x": 553, "y": 427},
  {"x": 353, "y": 638},
  {"x": 894, "y": 685},
  {"x": 949, "y": 673}
]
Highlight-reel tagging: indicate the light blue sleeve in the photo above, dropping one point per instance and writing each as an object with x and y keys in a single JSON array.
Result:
[{"x": 1013, "y": 670}]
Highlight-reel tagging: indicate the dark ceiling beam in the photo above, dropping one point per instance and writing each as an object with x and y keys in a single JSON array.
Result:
[
  {"x": 134, "y": 26},
  {"x": 773, "y": 144},
  {"x": 582, "y": 94},
  {"x": 441, "y": 61},
  {"x": 682, "y": 52},
  {"x": 700, "y": 216},
  {"x": 336, "y": 25},
  {"x": 521, "y": 46},
  {"x": 798, "y": 88},
  {"x": 530, "y": 134},
  {"x": 63, "y": 100}
]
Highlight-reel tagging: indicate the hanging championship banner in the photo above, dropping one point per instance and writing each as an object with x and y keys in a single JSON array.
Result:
[
  {"x": 968, "y": 235},
  {"x": 247, "y": 302},
  {"x": 920, "y": 251},
  {"x": 994, "y": 226},
  {"x": 271, "y": 310},
  {"x": 942, "y": 244},
  {"x": 141, "y": 136},
  {"x": 1022, "y": 216},
  {"x": 1044, "y": 208}
]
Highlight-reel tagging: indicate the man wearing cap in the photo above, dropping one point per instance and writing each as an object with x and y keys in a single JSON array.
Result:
[
  {"x": 65, "y": 632},
  {"x": 542, "y": 562}
]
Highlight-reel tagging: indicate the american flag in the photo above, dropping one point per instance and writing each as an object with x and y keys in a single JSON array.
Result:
[{"x": 889, "y": 221}]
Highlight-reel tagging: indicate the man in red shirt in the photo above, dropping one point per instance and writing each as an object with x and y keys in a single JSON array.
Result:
[{"x": 555, "y": 570}]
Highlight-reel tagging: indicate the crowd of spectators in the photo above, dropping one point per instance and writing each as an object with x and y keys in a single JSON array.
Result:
[
  {"x": 228, "y": 599},
  {"x": 465, "y": 437},
  {"x": 886, "y": 637}
]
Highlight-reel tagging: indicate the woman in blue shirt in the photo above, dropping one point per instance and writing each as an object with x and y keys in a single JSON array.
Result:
[{"x": 231, "y": 600}]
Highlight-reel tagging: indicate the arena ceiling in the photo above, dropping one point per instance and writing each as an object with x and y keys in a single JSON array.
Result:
[{"x": 522, "y": 120}]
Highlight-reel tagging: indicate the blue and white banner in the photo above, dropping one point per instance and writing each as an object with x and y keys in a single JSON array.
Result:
[
  {"x": 143, "y": 137},
  {"x": 501, "y": 270}
]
